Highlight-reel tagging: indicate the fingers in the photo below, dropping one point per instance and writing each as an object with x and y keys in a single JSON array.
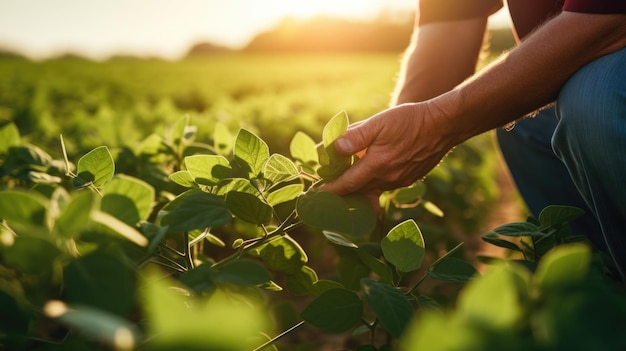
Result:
[
  {"x": 356, "y": 138},
  {"x": 353, "y": 179}
]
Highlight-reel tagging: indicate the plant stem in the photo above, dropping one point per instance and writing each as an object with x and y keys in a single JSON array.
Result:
[
  {"x": 284, "y": 227},
  {"x": 274, "y": 339}
]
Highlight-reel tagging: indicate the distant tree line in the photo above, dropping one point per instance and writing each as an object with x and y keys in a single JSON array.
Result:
[{"x": 329, "y": 34}]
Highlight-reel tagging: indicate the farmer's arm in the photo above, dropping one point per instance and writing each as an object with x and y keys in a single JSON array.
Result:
[
  {"x": 405, "y": 142},
  {"x": 440, "y": 56}
]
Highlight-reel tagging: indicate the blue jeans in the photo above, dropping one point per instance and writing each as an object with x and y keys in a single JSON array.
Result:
[{"x": 575, "y": 154}]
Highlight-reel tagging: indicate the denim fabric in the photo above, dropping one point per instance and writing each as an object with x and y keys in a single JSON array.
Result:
[
  {"x": 575, "y": 154},
  {"x": 590, "y": 139}
]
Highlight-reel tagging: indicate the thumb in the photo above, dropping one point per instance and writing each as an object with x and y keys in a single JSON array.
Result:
[{"x": 355, "y": 139}]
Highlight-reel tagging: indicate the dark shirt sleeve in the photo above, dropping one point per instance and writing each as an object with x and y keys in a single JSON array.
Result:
[
  {"x": 451, "y": 10},
  {"x": 595, "y": 6}
]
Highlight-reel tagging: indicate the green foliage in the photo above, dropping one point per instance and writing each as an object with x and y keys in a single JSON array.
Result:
[{"x": 102, "y": 262}]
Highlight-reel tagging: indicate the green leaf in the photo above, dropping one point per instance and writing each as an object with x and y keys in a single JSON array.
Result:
[
  {"x": 208, "y": 169},
  {"x": 284, "y": 194},
  {"x": 248, "y": 207},
  {"x": 335, "y": 311},
  {"x": 9, "y": 137},
  {"x": 493, "y": 239},
  {"x": 519, "y": 229},
  {"x": 182, "y": 132},
  {"x": 333, "y": 164},
  {"x": 75, "y": 215},
  {"x": 303, "y": 149},
  {"x": 222, "y": 139},
  {"x": 279, "y": 168},
  {"x": 452, "y": 269},
  {"x": 199, "y": 210},
  {"x": 302, "y": 282},
  {"x": 200, "y": 279},
  {"x": 128, "y": 199},
  {"x": 241, "y": 185},
  {"x": 325, "y": 210},
  {"x": 102, "y": 279},
  {"x": 377, "y": 266},
  {"x": 335, "y": 128},
  {"x": 432, "y": 209},
  {"x": 30, "y": 255},
  {"x": 182, "y": 178},
  {"x": 392, "y": 308},
  {"x": 363, "y": 214},
  {"x": 404, "y": 246},
  {"x": 553, "y": 215},
  {"x": 322, "y": 285},
  {"x": 408, "y": 197},
  {"x": 215, "y": 322},
  {"x": 251, "y": 152},
  {"x": 95, "y": 324},
  {"x": 338, "y": 239},
  {"x": 112, "y": 225},
  {"x": 283, "y": 254},
  {"x": 243, "y": 272},
  {"x": 24, "y": 209},
  {"x": 563, "y": 266},
  {"x": 494, "y": 299},
  {"x": 96, "y": 167}
]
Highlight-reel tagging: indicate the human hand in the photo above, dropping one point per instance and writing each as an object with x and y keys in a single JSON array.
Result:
[{"x": 402, "y": 145}]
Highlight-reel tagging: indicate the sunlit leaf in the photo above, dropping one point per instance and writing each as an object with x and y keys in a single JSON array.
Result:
[
  {"x": 335, "y": 128},
  {"x": 303, "y": 149},
  {"x": 282, "y": 254},
  {"x": 241, "y": 185},
  {"x": 75, "y": 214},
  {"x": 564, "y": 265},
  {"x": 251, "y": 152},
  {"x": 9, "y": 137},
  {"x": 208, "y": 169},
  {"x": 284, "y": 194},
  {"x": 128, "y": 199},
  {"x": 95, "y": 167},
  {"x": 26, "y": 209},
  {"x": 216, "y": 322},
  {"x": 279, "y": 168},
  {"x": 404, "y": 246},
  {"x": 494, "y": 299},
  {"x": 338, "y": 239},
  {"x": 118, "y": 227},
  {"x": 335, "y": 311},
  {"x": 301, "y": 283},
  {"x": 222, "y": 139},
  {"x": 183, "y": 178}
]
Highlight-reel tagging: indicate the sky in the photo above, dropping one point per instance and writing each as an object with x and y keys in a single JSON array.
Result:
[{"x": 163, "y": 28}]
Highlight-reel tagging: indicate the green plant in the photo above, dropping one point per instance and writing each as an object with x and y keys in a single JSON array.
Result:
[{"x": 112, "y": 263}]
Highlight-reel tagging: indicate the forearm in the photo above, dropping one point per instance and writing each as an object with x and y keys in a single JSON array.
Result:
[
  {"x": 440, "y": 56},
  {"x": 531, "y": 75}
]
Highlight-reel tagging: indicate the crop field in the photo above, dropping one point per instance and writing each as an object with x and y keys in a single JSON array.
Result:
[{"x": 156, "y": 205}]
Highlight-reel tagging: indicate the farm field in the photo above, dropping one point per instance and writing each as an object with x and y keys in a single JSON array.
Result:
[{"x": 179, "y": 210}]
